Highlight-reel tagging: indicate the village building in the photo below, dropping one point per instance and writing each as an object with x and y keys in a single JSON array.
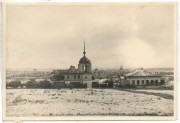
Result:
[
  {"x": 141, "y": 77},
  {"x": 81, "y": 75}
]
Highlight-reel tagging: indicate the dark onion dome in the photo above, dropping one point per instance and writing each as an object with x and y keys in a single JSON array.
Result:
[{"x": 84, "y": 60}]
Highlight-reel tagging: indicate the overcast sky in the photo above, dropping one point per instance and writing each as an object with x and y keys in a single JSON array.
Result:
[{"x": 51, "y": 36}]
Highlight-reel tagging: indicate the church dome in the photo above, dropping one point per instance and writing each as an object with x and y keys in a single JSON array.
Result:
[{"x": 84, "y": 60}]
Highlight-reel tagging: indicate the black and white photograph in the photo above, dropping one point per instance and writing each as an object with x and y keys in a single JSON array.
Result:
[{"x": 90, "y": 61}]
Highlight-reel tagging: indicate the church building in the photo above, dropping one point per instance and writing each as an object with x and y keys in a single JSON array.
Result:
[{"x": 82, "y": 74}]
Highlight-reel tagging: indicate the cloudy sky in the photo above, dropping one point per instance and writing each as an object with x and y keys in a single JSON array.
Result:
[{"x": 51, "y": 36}]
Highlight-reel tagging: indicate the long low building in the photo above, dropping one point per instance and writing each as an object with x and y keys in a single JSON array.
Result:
[{"x": 144, "y": 77}]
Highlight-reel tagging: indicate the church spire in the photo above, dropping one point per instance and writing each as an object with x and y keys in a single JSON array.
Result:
[{"x": 84, "y": 49}]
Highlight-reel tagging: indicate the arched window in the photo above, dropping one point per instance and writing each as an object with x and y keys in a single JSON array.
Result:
[{"x": 84, "y": 68}]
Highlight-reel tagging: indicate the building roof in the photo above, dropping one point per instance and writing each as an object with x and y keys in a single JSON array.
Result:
[
  {"x": 72, "y": 70},
  {"x": 102, "y": 81},
  {"x": 141, "y": 73},
  {"x": 69, "y": 71},
  {"x": 84, "y": 60}
]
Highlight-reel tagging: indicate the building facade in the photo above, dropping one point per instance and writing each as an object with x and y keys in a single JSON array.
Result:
[
  {"x": 142, "y": 77},
  {"x": 83, "y": 74}
]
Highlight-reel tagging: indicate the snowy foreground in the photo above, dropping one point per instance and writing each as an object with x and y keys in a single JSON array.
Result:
[{"x": 51, "y": 102}]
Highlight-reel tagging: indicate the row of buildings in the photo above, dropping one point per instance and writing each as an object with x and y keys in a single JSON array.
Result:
[{"x": 83, "y": 74}]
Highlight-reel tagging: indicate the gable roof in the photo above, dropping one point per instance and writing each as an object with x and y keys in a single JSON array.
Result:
[
  {"x": 141, "y": 73},
  {"x": 72, "y": 70}
]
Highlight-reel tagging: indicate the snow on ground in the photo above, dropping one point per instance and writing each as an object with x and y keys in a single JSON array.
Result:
[
  {"x": 170, "y": 92},
  {"x": 51, "y": 102}
]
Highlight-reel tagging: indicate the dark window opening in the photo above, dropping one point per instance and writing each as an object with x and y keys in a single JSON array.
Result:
[
  {"x": 147, "y": 82},
  {"x": 137, "y": 82},
  {"x": 152, "y": 82},
  {"x": 156, "y": 81},
  {"x": 78, "y": 76},
  {"x": 62, "y": 77},
  {"x": 143, "y": 82},
  {"x": 162, "y": 81},
  {"x": 74, "y": 76}
]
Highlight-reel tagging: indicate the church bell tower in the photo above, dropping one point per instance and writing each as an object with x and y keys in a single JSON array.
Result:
[{"x": 84, "y": 65}]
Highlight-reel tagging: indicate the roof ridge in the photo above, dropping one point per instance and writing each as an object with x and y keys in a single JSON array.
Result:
[{"x": 141, "y": 72}]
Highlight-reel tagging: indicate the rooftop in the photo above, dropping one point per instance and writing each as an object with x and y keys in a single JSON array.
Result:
[
  {"x": 72, "y": 69},
  {"x": 141, "y": 72},
  {"x": 84, "y": 60}
]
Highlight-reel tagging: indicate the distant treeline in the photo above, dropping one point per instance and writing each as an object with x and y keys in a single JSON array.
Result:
[
  {"x": 32, "y": 84},
  {"x": 43, "y": 85}
]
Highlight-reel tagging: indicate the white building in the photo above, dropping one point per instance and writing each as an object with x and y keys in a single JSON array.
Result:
[{"x": 142, "y": 77}]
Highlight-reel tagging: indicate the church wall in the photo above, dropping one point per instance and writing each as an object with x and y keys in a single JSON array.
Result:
[
  {"x": 78, "y": 77},
  {"x": 80, "y": 67},
  {"x": 87, "y": 77},
  {"x": 73, "y": 77},
  {"x": 90, "y": 68}
]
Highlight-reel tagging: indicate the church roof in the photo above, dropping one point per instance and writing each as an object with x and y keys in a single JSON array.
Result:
[
  {"x": 141, "y": 73},
  {"x": 71, "y": 70},
  {"x": 84, "y": 60}
]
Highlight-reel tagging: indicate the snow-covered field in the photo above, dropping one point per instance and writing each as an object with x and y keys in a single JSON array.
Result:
[
  {"x": 170, "y": 92},
  {"x": 51, "y": 102}
]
